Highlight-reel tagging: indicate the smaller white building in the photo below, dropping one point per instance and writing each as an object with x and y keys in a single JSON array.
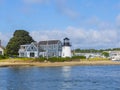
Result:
[
  {"x": 1, "y": 49},
  {"x": 28, "y": 50},
  {"x": 89, "y": 55},
  {"x": 114, "y": 55},
  {"x": 66, "y": 48}
]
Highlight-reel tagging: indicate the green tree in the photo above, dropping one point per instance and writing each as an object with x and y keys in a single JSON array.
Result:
[
  {"x": 106, "y": 54},
  {"x": 20, "y": 37}
]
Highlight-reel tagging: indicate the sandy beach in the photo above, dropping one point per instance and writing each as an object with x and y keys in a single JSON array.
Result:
[{"x": 54, "y": 64}]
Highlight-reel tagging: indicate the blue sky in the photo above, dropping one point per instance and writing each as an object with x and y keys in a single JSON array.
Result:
[{"x": 88, "y": 23}]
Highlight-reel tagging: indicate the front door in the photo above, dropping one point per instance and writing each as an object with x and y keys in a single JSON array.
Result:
[{"x": 32, "y": 54}]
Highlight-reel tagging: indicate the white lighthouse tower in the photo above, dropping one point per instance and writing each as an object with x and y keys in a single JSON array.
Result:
[{"x": 66, "y": 48}]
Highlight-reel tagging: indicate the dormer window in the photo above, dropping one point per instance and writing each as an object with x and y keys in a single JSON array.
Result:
[
  {"x": 32, "y": 48},
  {"x": 22, "y": 47}
]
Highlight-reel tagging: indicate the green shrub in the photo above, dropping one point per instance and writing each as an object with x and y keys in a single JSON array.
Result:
[
  {"x": 106, "y": 54},
  {"x": 79, "y": 57},
  {"x": 54, "y": 59},
  {"x": 59, "y": 59},
  {"x": 67, "y": 59},
  {"x": 40, "y": 59},
  {"x": 2, "y": 57}
]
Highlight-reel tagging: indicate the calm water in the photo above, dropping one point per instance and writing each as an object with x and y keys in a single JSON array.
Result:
[{"x": 60, "y": 78}]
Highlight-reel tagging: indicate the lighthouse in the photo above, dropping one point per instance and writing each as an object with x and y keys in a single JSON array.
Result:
[{"x": 66, "y": 48}]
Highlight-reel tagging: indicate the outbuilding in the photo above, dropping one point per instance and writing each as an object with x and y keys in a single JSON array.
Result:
[{"x": 1, "y": 49}]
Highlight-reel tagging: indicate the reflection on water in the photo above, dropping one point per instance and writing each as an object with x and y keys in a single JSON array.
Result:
[
  {"x": 60, "y": 78},
  {"x": 66, "y": 71}
]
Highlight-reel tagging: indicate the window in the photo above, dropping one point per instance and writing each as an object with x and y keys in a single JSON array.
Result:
[
  {"x": 32, "y": 48},
  {"x": 54, "y": 45},
  {"x": 22, "y": 54},
  {"x": 0, "y": 52}
]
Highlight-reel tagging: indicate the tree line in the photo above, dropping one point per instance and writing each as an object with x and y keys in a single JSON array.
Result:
[{"x": 78, "y": 50}]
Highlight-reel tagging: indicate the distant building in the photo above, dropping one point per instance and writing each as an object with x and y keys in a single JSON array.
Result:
[
  {"x": 114, "y": 55},
  {"x": 1, "y": 49},
  {"x": 89, "y": 55}
]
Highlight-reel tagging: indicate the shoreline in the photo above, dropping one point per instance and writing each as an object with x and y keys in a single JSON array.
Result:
[{"x": 56, "y": 64}]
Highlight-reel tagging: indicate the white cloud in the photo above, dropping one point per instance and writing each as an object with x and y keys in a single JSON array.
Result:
[
  {"x": 81, "y": 38},
  {"x": 98, "y": 23}
]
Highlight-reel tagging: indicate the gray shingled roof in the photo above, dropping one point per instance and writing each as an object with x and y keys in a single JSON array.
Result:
[
  {"x": 2, "y": 47},
  {"x": 48, "y": 42}
]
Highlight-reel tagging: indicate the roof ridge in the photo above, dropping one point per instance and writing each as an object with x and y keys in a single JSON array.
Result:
[{"x": 49, "y": 42}]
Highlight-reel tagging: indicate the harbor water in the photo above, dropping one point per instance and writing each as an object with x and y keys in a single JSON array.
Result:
[{"x": 60, "y": 78}]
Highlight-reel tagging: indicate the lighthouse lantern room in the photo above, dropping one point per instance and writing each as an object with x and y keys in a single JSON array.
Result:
[{"x": 66, "y": 48}]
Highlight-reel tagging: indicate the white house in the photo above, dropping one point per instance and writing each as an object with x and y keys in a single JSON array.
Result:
[
  {"x": 1, "y": 49},
  {"x": 114, "y": 55},
  {"x": 29, "y": 50},
  {"x": 50, "y": 48}
]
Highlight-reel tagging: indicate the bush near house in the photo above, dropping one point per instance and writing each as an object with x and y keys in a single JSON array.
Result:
[
  {"x": 59, "y": 59},
  {"x": 106, "y": 54},
  {"x": 79, "y": 57},
  {"x": 2, "y": 57},
  {"x": 55, "y": 59},
  {"x": 51, "y": 59},
  {"x": 40, "y": 59}
]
